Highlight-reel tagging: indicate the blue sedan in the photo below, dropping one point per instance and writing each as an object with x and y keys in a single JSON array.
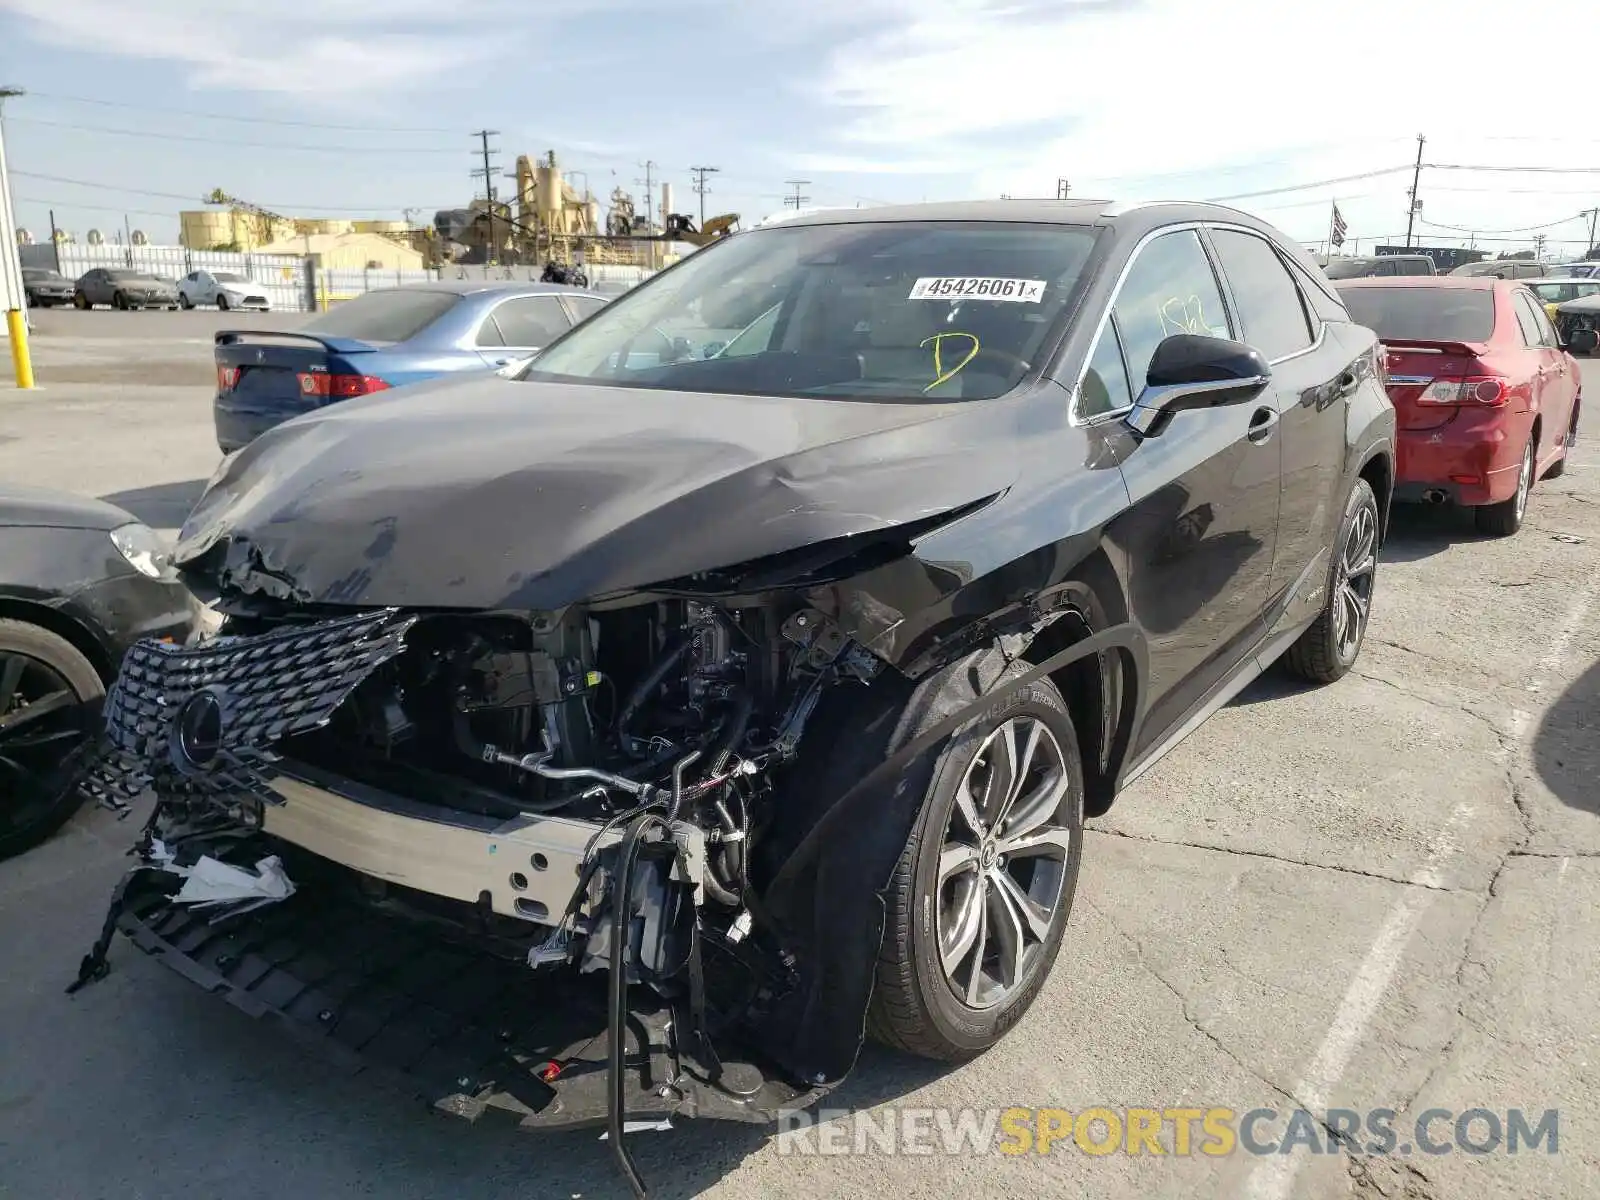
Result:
[{"x": 384, "y": 339}]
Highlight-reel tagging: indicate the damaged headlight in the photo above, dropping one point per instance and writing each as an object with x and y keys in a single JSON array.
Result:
[{"x": 145, "y": 550}]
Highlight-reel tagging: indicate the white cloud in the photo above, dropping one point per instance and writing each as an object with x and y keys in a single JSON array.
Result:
[
  {"x": 291, "y": 47},
  {"x": 1110, "y": 93}
]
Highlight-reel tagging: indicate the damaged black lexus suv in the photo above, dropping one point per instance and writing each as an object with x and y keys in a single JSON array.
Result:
[{"x": 632, "y": 736}]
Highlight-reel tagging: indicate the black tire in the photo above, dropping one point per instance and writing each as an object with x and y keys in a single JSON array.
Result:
[
  {"x": 1325, "y": 652},
  {"x": 222, "y": 302},
  {"x": 33, "y": 301},
  {"x": 1505, "y": 519},
  {"x": 184, "y": 302},
  {"x": 40, "y": 759},
  {"x": 119, "y": 301},
  {"x": 80, "y": 301},
  {"x": 914, "y": 1005},
  {"x": 1560, "y": 469}
]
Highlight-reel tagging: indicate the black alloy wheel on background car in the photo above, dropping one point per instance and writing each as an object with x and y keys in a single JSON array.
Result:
[
  {"x": 49, "y": 706},
  {"x": 80, "y": 301},
  {"x": 119, "y": 301}
]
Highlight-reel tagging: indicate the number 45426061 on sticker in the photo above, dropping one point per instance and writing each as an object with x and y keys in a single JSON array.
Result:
[{"x": 977, "y": 287}]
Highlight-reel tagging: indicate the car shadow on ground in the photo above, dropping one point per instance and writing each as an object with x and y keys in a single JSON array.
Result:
[
  {"x": 1418, "y": 531},
  {"x": 1566, "y": 749},
  {"x": 163, "y": 506}
]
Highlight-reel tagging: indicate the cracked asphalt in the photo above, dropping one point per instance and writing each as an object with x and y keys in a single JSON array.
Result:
[{"x": 1381, "y": 894}]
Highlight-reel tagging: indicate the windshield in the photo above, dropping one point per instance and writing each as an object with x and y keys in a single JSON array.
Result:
[
  {"x": 891, "y": 310},
  {"x": 131, "y": 276},
  {"x": 229, "y": 277},
  {"x": 1427, "y": 314},
  {"x": 396, "y": 315}
]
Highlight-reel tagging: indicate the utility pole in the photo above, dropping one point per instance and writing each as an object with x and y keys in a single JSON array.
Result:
[
  {"x": 13, "y": 295},
  {"x": 649, "y": 183},
  {"x": 700, "y": 188},
  {"x": 492, "y": 254},
  {"x": 1063, "y": 189},
  {"x": 796, "y": 200},
  {"x": 1591, "y": 213},
  {"x": 1416, "y": 178}
]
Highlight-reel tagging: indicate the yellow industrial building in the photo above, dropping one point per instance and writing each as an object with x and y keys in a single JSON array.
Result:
[
  {"x": 247, "y": 231},
  {"x": 350, "y": 251}
]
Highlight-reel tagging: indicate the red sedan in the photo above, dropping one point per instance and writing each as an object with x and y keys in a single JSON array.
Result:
[{"x": 1486, "y": 396}]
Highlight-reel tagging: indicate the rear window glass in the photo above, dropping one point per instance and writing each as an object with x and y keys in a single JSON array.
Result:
[
  {"x": 1433, "y": 314},
  {"x": 387, "y": 316},
  {"x": 1348, "y": 268}
]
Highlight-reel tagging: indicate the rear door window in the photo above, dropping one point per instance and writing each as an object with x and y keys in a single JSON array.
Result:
[
  {"x": 1270, "y": 308},
  {"x": 392, "y": 315},
  {"x": 1170, "y": 289},
  {"x": 583, "y": 307},
  {"x": 530, "y": 322},
  {"x": 1525, "y": 319},
  {"x": 1544, "y": 331}
]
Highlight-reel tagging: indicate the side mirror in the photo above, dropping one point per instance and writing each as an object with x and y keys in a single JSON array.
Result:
[
  {"x": 1583, "y": 341},
  {"x": 1191, "y": 371}
]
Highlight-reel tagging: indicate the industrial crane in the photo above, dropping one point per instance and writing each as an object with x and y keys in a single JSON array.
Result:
[{"x": 267, "y": 216}]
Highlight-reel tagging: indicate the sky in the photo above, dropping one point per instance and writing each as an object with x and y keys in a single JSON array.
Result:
[{"x": 369, "y": 107}]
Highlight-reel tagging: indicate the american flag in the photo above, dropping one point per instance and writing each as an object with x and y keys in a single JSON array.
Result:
[{"x": 1336, "y": 234}]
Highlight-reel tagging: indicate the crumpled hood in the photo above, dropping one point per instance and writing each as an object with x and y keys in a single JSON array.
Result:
[{"x": 490, "y": 493}]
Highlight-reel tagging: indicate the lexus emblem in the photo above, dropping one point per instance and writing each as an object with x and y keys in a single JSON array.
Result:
[{"x": 197, "y": 732}]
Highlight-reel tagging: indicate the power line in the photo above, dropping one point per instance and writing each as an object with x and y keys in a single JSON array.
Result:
[
  {"x": 118, "y": 189},
  {"x": 1518, "y": 229},
  {"x": 1302, "y": 187},
  {"x": 701, "y": 189},
  {"x": 795, "y": 200},
  {"x": 222, "y": 141},
  {"x": 215, "y": 116},
  {"x": 1514, "y": 170}
]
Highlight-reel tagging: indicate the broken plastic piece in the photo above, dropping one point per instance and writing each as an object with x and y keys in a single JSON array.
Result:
[
  {"x": 211, "y": 883},
  {"x": 550, "y": 1072}
]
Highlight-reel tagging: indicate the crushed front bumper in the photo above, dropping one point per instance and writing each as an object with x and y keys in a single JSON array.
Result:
[{"x": 475, "y": 1035}]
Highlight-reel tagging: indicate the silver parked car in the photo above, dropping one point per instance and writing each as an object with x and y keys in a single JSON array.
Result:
[
  {"x": 225, "y": 289},
  {"x": 124, "y": 288}
]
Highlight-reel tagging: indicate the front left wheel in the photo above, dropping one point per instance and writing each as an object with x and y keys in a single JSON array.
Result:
[
  {"x": 48, "y": 696},
  {"x": 980, "y": 898}
]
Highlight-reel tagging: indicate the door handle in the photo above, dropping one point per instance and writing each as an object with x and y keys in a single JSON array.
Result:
[{"x": 1262, "y": 422}]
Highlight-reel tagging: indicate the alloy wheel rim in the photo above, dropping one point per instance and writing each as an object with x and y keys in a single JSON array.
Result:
[
  {"x": 1003, "y": 863},
  {"x": 1525, "y": 481},
  {"x": 43, "y": 727},
  {"x": 1357, "y": 571}
]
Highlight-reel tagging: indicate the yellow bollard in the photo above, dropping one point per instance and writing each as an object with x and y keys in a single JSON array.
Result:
[{"x": 21, "y": 362}]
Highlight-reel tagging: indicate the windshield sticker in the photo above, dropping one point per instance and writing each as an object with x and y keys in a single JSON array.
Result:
[
  {"x": 977, "y": 287},
  {"x": 940, "y": 374}
]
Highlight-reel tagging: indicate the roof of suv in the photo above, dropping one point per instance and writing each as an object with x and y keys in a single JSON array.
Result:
[{"x": 1058, "y": 212}]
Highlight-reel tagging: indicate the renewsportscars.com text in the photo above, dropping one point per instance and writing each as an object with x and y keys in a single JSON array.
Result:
[{"x": 1178, "y": 1131}]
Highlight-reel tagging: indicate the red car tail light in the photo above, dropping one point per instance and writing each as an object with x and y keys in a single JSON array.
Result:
[
  {"x": 338, "y": 387},
  {"x": 1487, "y": 390},
  {"x": 227, "y": 378}
]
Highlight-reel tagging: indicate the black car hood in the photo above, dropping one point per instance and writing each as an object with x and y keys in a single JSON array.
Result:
[
  {"x": 38, "y": 507},
  {"x": 491, "y": 493}
]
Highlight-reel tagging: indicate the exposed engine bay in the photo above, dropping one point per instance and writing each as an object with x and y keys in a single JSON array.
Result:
[{"x": 571, "y": 792}]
